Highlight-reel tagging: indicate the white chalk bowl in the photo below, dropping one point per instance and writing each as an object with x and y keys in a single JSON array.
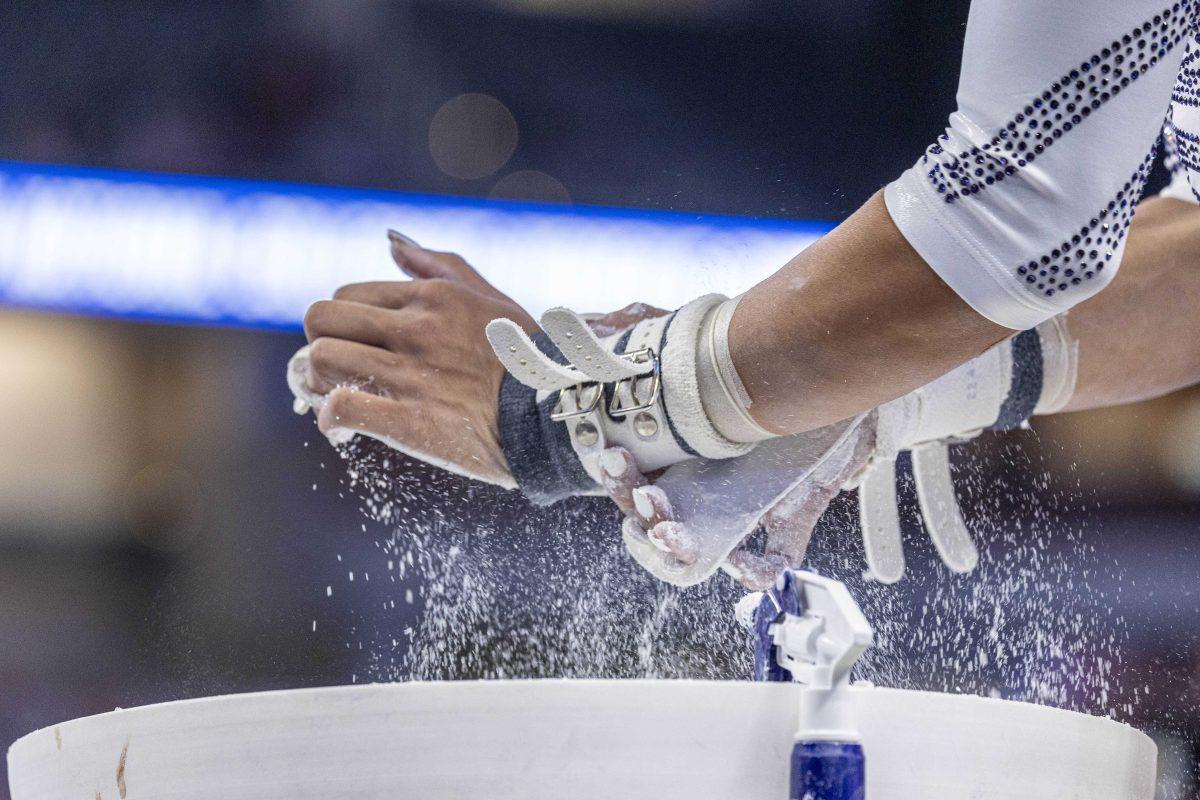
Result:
[{"x": 570, "y": 740}]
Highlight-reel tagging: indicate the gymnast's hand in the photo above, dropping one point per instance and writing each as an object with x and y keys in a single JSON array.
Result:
[
  {"x": 407, "y": 363},
  {"x": 663, "y": 544}
]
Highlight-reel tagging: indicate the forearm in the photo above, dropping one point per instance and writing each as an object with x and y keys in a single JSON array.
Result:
[
  {"x": 1140, "y": 337},
  {"x": 1137, "y": 339},
  {"x": 1018, "y": 212},
  {"x": 855, "y": 320}
]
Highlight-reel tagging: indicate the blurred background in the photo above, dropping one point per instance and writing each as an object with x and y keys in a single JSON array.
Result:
[{"x": 169, "y": 529}]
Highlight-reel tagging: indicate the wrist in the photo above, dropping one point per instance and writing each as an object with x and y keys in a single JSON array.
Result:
[
  {"x": 639, "y": 389},
  {"x": 537, "y": 449}
]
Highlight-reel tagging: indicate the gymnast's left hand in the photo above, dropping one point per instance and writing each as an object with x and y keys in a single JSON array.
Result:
[
  {"x": 662, "y": 544},
  {"x": 407, "y": 363}
]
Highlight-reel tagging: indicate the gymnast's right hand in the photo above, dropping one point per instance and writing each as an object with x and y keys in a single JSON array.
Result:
[{"x": 407, "y": 363}]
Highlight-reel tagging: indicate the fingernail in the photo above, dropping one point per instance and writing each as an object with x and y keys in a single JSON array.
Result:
[
  {"x": 676, "y": 538},
  {"x": 656, "y": 539},
  {"x": 642, "y": 502},
  {"x": 614, "y": 463},
  {"x": 400, "y": 238}
]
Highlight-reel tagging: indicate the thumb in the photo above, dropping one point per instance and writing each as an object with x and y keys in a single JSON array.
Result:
[
  {"x": 417, "y": 262},
  {"x": 791, "y": 521}
]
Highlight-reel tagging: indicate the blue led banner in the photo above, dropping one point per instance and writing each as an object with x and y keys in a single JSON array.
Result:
[{"x": 211, "y": 250}]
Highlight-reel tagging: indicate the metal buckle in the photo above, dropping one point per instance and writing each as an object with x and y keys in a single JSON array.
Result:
[
  {"x": 580, "y": 409},
  {"x": 643, "y": 356},
  {"x": 585, "y": 397}
]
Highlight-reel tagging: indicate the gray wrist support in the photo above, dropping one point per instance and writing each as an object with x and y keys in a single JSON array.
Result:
[{"x": 538, "y": 450}]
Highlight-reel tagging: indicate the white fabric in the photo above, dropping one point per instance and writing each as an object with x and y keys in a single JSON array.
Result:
[
  {"x": 681, "y": 428},
  {"x": 1018, "y": 53},
  {"x": 1181, "y": 187},
  {"x": 1181, "y": 132},
  {"x": 721, "y": 502},
  {"x": 725, "y": 398},
  {"x": 1060, "y": 365}
]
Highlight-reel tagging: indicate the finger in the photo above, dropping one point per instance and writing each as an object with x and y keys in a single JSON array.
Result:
[
  {"x": 356, "y": 322},
  {"x": 631, "y": 529},
  {"x": 754, "y": 571},
  {"x": 791, "y": 521},
  {"x": 384, "y": 294},
  {"x": 417, "y": 262},
  {"x": 298, "y": 367},
  {"x": 648, "y": 552},
  {"x": 652, "y": 505},
  {"x": 338, "y": 362},
  {"x": 674, "y": 538},
  {"x": 397, "y": 236},
  {"x": 347, "y": 411},
  {"x": 621, "y": 476},
  {"x": 627, "y": 317}
]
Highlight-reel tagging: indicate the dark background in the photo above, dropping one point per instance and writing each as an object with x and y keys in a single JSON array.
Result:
[{"x": 169, "y": 529}]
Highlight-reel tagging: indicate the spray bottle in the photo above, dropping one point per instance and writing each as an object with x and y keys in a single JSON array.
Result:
[{"x": 808, "y": 630}]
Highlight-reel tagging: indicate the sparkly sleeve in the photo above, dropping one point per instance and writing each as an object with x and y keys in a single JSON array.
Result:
[
  {"x": 1022, "y": 205},
  {"x": 1181, "y": 132}
]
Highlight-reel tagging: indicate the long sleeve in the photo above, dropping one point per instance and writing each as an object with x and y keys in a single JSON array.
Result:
[
  {"x": 1181, "y": 132},
  {"x": 1022, "y": 205}
]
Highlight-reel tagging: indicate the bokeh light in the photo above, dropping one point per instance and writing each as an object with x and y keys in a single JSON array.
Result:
[
  {"x": 472, "y": 136},
  {"x": 530, "y": 184}
]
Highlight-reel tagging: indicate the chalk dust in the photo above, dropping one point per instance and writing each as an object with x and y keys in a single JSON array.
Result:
[{"x": 506, "y": 591}]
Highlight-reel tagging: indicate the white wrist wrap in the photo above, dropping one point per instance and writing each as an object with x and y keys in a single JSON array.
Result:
[
  {"x": 1060, "y": 365},
  {"x": 957, "y": 405},
  {"x": 980, "y": 394},
  {"x": 725, "y": 398},
  {"x": 640, "y": 389}
]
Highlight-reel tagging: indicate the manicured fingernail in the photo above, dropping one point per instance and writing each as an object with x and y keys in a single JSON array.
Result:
[
  {"x": 642, "y": 502},
  {"x": 614, "y": 463},
  {"x": 400, "y": 238},
  {"x": 657, "y": 540},
  {"x": 676, "y": 538}
]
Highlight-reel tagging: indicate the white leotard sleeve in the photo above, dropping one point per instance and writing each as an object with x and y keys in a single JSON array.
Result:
[
  {"x": 1023, "y": 204},
  {"x": 1181, "y": 132}
]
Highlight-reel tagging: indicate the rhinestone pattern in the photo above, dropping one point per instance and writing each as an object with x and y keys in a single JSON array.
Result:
[
  {"x": 1056, "y": 111},
  {"x": 1087, "y": 253},
  {"x": 1187, "y": 86},
  {"x": 1182, "y": 146}
]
